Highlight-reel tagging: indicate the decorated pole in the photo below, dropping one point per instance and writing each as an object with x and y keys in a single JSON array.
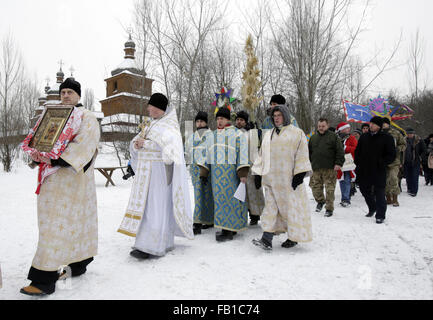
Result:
[{"x": 250, "y": 81}]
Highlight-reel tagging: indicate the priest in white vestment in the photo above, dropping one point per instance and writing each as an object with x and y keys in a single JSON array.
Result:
[
  {"x": 159, "y": 207},
  {"x": 283, "y": 163}
]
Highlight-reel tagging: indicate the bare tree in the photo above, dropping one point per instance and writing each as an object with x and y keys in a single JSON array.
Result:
[
  {"x": 89, "y": 99},
  {"x": 416, "y": 61},
  {"x": 12, "y": 85}
]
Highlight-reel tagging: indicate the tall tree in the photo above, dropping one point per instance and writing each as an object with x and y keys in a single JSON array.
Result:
[
  {"x": 12, "y": 85},
  {"x": 89, "y": 99},
  {"x": 416, "y": 61}
]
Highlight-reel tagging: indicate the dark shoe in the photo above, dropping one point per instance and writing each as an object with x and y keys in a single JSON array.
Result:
[
  {"x": 412, "y": 194},
  {"x": 380, "y": 221},
  {"x": 254, "y": 220},
  {"x": 319, "y": 207},
  {"x": 197, "y": 228},
  {"x": 225, "y": 235},
  {"x": 345, "y": 204},
  {"x": 329, "y": 213},
  {"x": 263, "y": 244},
  {"x": 395, "y": 201},
  {"x": 33, "y": 291},
  {"x": 388, "y": 199},
  {"x": 352, "y": 190},
  {"x": 206, "y": 226},
  {"x": 139, "y": 254},
  {"x": 289, "y": 244},
  {"x": 370, "y": 214}
]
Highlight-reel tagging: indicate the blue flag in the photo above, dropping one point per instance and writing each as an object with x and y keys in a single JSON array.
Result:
[{"x": 356, "y": 113}]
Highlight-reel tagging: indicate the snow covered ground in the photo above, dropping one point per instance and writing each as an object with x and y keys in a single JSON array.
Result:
[{"x": 351, "y": 256}]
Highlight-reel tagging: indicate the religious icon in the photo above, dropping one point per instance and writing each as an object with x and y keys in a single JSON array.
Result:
[{"x": 51, "y": 126}]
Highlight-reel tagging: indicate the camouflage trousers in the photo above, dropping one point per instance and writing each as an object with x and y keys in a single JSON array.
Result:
[
  {"x": 392, "y": 187},
  {"x": 324, "y": 178}
]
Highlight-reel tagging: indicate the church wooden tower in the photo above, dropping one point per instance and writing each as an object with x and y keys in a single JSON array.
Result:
[
  {"x": 128, "y": 92},
  {"x": 128, "y": 89}
]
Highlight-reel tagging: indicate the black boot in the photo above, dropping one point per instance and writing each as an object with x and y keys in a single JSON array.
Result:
[
  {"x": 206, "y": 226},
  {"x": 263, "y": 244},
  {"x": 370, "y": 214},
  {"x": 139, "y": 254},
  {"x": 329, "y": 213},
  {"x": 225, "y": 235},
  {"x": 254, "y": 220},
  {"x": 320, "y": 206},
  {"x": 289, "y": 244},
  {"x": 197, "y": 228}
]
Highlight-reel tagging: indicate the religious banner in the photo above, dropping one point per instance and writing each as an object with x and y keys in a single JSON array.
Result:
[{"x": 379, "y": 106}]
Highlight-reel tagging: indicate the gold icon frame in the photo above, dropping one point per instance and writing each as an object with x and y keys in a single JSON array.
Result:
[{"x": 51, "y": 126}]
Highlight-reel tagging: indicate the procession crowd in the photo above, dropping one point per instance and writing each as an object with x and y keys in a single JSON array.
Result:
[{"x": 268, "y": 161}]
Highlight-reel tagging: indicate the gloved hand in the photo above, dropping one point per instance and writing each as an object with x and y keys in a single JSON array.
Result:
[
  {"x": 258, "y": 182},
  {"x": 203, "y": 180},
  {"x": 298, "y": 180},
  {"x": 130, "y": 173},
  {"x": 130, "y": 170}
]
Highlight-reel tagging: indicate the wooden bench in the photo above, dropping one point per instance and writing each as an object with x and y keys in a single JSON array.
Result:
[{"x": 107, "y": 172}]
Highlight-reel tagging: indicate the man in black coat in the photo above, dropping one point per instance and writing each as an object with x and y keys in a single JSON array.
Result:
[
  {"x": 412, "y": 161},
  {"x": 375, "y": 151}
]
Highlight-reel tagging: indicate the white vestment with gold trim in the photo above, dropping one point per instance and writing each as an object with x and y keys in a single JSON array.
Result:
[{"x": 159, "y": 205}]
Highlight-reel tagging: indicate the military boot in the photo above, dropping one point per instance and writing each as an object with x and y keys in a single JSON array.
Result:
[
  {"x": 395, "y": 201},
  {"x": 389, "y": 199}
]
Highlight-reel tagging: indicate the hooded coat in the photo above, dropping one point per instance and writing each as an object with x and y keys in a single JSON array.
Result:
[{"x": 282, "y": 156}]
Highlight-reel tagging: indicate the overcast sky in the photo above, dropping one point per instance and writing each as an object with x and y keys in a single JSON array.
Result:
[{"x": 89, "y": 35}]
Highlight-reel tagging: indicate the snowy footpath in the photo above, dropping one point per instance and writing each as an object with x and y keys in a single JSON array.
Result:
[{"x": 351, "y": 256}]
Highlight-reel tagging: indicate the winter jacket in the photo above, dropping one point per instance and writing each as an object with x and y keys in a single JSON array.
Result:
[
  {"x": 372, "y": 155},
  {"x": 415, "y": 150},
  {"x": 400, "y": 145},
  {"x": 349, "y": 145},
  {"x": 326, "y": 151}
]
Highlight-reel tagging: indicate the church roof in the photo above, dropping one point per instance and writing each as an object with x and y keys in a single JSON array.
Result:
[{"x": 130, "y": 65}]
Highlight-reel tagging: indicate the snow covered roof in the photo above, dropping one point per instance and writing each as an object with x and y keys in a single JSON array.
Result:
[
  {"x": 126, "y": 94},
  {"x": 121, "y": 117},
  {"x": 120, "y": 128},
  {"x": 128, "y": 65},
  {"x": 54, "y": 89},
  {"x": 98, "y": 114},
  {"x": 52, "y": 102}
]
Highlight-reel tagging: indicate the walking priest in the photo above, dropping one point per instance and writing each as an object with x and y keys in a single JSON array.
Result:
[{"x": 159, "y": 205}]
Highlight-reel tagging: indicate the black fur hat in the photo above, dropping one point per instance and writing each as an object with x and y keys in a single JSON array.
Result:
[
  {"x": 70, "y": 83},
  {"x": 224, "y": 112},
  {"x": 201, "y": 115},
  {"x": 243, "y": 115},
  {"x": 158, "y": 100},
  {"x": 278, "y": 99}
]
